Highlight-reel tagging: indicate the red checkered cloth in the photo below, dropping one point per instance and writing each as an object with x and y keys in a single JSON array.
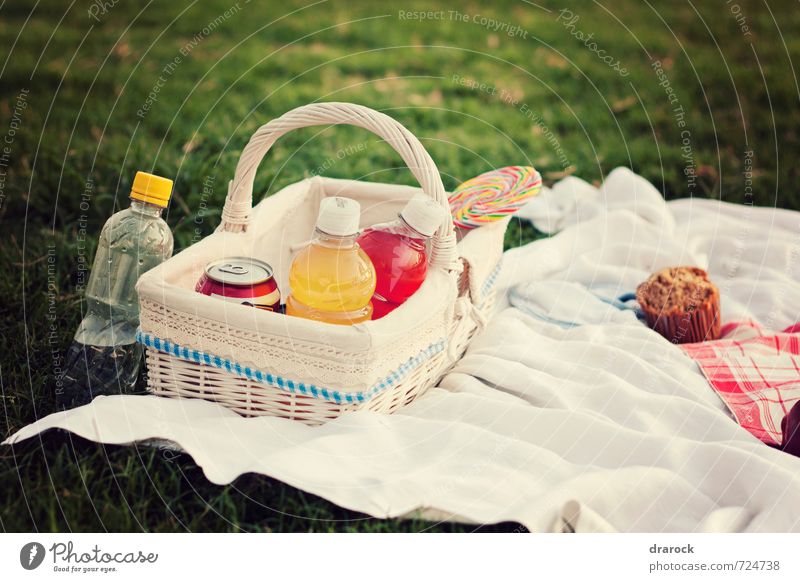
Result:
[{"x": 756, "y": 373}]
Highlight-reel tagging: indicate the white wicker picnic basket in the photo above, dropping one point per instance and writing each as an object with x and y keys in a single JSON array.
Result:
[{"x": 261, "y": 363}]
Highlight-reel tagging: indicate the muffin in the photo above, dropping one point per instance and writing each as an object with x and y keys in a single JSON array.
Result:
[{"x": 681, "y": 304}]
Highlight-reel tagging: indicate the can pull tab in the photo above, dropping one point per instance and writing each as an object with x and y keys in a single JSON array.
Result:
[{"x": 234, "y": 269}]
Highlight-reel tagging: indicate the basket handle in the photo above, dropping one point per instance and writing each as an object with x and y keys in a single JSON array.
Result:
[{"x": 239, "y": 201}]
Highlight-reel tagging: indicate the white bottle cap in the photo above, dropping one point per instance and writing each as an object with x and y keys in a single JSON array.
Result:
[
  {"x": 423, "y": 214},
  {"x": 339, "y": 216}
]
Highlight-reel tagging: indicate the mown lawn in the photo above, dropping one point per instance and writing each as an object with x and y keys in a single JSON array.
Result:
[{"x": 701, "y": 98}]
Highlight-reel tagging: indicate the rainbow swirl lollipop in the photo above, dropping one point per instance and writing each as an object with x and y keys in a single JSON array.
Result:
[{"x": 493, "y": 195}]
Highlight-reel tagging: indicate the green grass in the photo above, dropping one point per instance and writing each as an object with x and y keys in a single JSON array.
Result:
[{"x": 86, "y": 80}]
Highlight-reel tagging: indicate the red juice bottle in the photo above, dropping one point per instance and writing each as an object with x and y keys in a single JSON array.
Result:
[{"x": 399, "y": 252}]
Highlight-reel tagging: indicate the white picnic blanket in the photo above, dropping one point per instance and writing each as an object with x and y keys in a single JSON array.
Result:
[{"x": 566, "y": 412}]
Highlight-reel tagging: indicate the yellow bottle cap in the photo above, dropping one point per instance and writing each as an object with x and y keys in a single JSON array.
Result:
[{"x": 151, "y": 189}]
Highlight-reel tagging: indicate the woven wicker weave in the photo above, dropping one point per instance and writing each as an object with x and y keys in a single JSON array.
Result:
[{"x": 262, "y": 363}]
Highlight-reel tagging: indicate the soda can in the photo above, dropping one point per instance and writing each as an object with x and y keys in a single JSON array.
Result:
[{"x": 241, "y": 280}]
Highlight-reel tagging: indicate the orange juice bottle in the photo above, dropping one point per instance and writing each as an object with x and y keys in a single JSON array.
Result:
[{"x": 332, "y": 279}]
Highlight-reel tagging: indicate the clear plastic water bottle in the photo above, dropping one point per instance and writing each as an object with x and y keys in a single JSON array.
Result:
[{"x": 104, "y": 357}]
